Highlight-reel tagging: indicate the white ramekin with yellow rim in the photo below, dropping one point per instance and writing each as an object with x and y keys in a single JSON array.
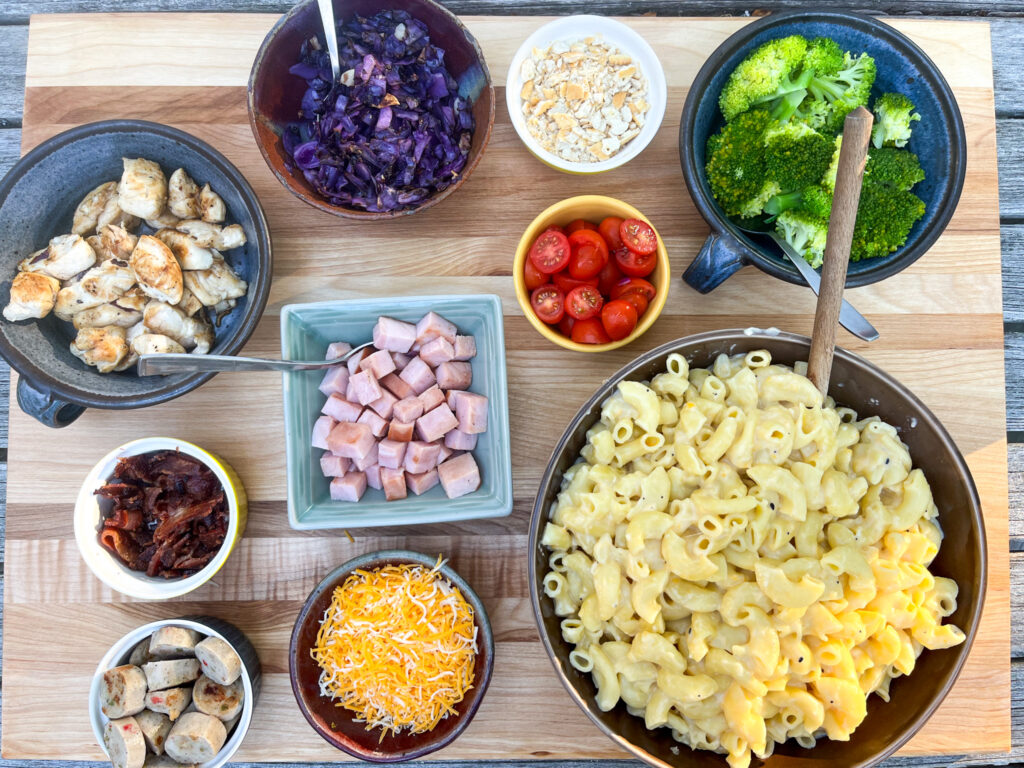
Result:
[{"x": 114, "y": 573}]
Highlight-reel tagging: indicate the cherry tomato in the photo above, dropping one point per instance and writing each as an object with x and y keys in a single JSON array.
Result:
[
  {"x": 554, "y": 228},
  {"x": 618, "y": 318},
  {"x": 565, "y": 326},
  {"x": 636, "y": 297},
  {"x": 635, "y": 264},
  {"x": 610, "y": 275},
  {"x": 577, "y": 224},
  {"x": 630, "y": 283},
  {"x": 589, "y": 254},
  {"x": 533, "y": 277},
  {"x": 567, "y": 282},
  {"x": 550, "y": 252},
  {"x": 589, "y": 332},
  {"x": 583, "y": 302},
  {"x": 548, "y": 302},
  {"x": 638, "y": 236},
  {"x": 609, "y": 229}
]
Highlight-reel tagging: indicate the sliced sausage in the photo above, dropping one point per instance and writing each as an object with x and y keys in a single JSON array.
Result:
[
  {"x": 219, "y": 660},
  {"x": 163, "y": 761},
  {"x": 195, "y": 738},
  {"x": 169, "y": 674},
  {"x": 125, "y": 743},
  {"x": 173, "y": 642},
  {"x": 171, "y": 702},
  {"x": 221, "y": 701},
  {"x": 155, "y": 727},
  {"x": 140, "y": 653},
  {"x": 124, "y": 691}
]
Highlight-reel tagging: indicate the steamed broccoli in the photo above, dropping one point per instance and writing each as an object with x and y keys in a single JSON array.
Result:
[
  {"x": 824, "y": 56},
  {"x": 842, "y": 91},
  {"x": 884, "y": 220},
  {"x": 817, "y": 201},
  {"x": 893, "y": 114},
  {"x": 829, "y": 179},
  {"x": 763, "y": 76},
  {"x": 736, "y": 165},
  {"x": 805, "y": 232},
  {"x": 796, "y": 155},
  {"x": 892, "y": 167}
]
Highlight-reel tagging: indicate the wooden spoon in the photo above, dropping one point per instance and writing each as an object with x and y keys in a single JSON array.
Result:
[{"x": 852, "y": 157}]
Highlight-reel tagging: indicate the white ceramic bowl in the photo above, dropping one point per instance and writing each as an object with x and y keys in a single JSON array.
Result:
[
  {"x": 114, "y": 573},
  {"x": 205, "y": 625},
  {"x": 615, "y": 33}
]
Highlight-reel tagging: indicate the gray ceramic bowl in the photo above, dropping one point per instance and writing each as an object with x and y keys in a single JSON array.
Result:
[
  {"x": 860, "y": 385},
  {"x": 37, "y": 199}
]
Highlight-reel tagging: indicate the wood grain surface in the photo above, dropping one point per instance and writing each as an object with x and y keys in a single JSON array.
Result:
[{"x": 942, "y": 335}]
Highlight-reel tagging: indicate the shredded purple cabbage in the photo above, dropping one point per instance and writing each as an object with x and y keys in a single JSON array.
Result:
[{"x": 397, "y": 134}]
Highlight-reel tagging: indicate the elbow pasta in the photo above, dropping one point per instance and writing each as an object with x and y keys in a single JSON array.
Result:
[{"x": 740, "y": 561}]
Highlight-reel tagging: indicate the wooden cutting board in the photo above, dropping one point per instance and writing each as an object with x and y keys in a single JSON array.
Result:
[{"x": 942, "y": 335}]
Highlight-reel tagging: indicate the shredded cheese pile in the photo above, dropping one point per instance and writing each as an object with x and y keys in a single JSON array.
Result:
[{"x": 397, "y": 646}]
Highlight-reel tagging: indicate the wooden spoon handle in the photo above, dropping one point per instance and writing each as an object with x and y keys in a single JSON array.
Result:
[{"x": 852, "y": 157}]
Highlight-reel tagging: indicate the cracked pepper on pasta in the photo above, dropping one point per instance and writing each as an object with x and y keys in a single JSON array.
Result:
[{"x": 741, "y": 561}]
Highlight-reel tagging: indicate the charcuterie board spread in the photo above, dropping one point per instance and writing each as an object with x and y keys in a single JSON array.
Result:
[{"x": 941, "y": 335}]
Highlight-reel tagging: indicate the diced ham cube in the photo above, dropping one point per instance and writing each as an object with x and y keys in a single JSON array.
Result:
[
  {"x": 379, "y": 364},
  {"x": 373, "y": 476},
  {"x": 384, "y": 406},
  {"x": 435, "y": 424},
  {"x": 454, "y": 375},
  {"x": 333, "y": 466},
  {"x": 432, "y": 325},
  {"x": 391, "y": 453},
  {"x": 444, "y": 452},
  {"x": 335, "y": 380},
  {"x": 459, "y": 475},
  {"x": 354, "y": 361},
  {"x": 351, "y": 487},
  {"x": 432, "y": 398},
  {"x": 420, "y": 456},
  {"x": 393, "y": 481},
  {"x": 337, "y": 349},
  {"x": 417, "y": 374},
  {"x": 368, "y": 460},
  {"x": 393, "y": 335},
  {"x": 397, "y": 387},
  {"x": 458, "y": 440},
  {"x": 376, "y": 424},
  {"x": 452, "y": 396},
  {"x": 321, "y": 428},
  {"x": 400, "y": 430},
  {"x": 471, "y": 410},
  {"x": 364, "y": 387},
  {"x": 465, "y": 347},
  {"x": 352, "y": 441},
  {"x": 437, "y": 351},
  {"x": 401, "y": 360},
  {"x": 408, "y": 409},
  {"x": 340, "y": 409},
  {"x": 421, "y": 483}
]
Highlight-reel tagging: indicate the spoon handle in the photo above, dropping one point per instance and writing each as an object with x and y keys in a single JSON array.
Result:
[
  {"x": 852, "y": 157},
  {"x": 331, "y": 35}
]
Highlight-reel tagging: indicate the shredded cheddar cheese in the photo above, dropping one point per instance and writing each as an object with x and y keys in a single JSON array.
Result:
[{"x": 397, "y": 646}]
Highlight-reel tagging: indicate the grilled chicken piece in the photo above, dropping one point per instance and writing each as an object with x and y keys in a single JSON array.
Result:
[
  {"x": 164, "y": 220},
  {"x": 88, "y": 211},
  {"x": 156, "y": 270},
  {"x": 33, "y": 294},
  {"x": 143, "y": 188},
  {"x": 103, "y": 348},
  {"x": 189, "y": 304},
  {"x": 211, "y": 206},
  {"x": 112, "y": 214},
  {"x": 191, "y": 332},
  {"x": 105, "y": 284},
  {"x": 216, "y": 284},
  {"x": 132, "y": 357},
  {"x": 65, "y": 257},
  {"x": 182, "y": 195},
  {"x": 189, "y": 253},
  {"x": 133, "y": 299},
  {"x": 213, "y": 235},
  {"x": 117, "y": 242},
  {"x": 104, "y": 315},
  {"x": 155, "y": 344}
]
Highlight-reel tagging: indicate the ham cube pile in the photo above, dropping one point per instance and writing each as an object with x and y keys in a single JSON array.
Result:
[{"x": 399, "y": 416}]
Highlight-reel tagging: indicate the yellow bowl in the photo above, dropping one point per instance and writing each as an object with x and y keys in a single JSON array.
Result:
[{"x": 590, "y": 208}]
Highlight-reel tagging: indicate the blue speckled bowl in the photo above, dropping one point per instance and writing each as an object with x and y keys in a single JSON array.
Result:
[{"x": 938, "y": 140}]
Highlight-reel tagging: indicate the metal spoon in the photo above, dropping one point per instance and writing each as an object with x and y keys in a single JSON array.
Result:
[
  {"x": 849, "y": 317},
  {"x": 151, "y": 365},
  {"x": 331, "y": 34}
]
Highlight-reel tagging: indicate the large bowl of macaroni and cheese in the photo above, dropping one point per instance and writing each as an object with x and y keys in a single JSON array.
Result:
[{"x": 729, "y": 569}]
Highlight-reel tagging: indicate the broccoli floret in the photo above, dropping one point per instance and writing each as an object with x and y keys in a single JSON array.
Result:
[
  {"x": 763, "y": 76},
  {"x": 817, "y": 201},
  {"x": 892, "y": 167},
  {"x": 736, "y": 165},
  {"x": 893, "y": 114},
  {"x": 832, "y": 96},
  {"x": 805, "y": 232},
  {"x": 884, "y": 220},
  {"x": 824, "y": 56},
  {"x": 829, "y": 179},
  {"x": 796, "y": 155}
]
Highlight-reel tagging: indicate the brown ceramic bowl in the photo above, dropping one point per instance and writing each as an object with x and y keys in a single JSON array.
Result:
[
  {"x": 335, "y": 724},
  {"x": 275, "y": 94},
  {"x": 855, "y": 383}
]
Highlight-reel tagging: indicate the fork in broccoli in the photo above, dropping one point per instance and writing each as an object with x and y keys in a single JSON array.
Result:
[{"x": 894, "y": 113}]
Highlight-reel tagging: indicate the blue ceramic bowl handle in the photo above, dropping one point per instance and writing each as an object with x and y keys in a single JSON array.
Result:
[
  {"x": 45, "y": 407},
  {"x": 719, "y": 257}
]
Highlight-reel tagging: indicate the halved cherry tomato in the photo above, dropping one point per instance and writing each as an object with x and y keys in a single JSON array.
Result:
[
  {"x": 548, "y": 302},
  {"x": 583, "y": 302},
  {"x": 566, "y": 324},
  {"x": 577, "y": 224},
  {"x": 550, "y": 252},
  {"x": 635, "y": 264},
  {"x": 554, "y": 228},
  {"x": 638, "y": 236},
  {"x": 589, "y": 254},
  {"x": 589, "y": 332},
  {"x": 567, "y": 282},
  {"x": 629, "y": 283},
  {"x": 636, "y": 297},
  {"x": 533, "y": 277},
  {"x": 618, "y": 318},
  {"x": 609, "y": 229},
  {"x": 610, "y": 275}
]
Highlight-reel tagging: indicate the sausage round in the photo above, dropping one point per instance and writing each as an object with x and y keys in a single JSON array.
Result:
[
  {"x": 195, "y": 738},
  {"x": 168, "y": 674},
  {"x": 124, "y": 691},
  {"x": 172, "y": 642},
  {"x": 221, "y": 701},
  {"x": 125, "y": 743},
  {"x": 219, "y": 661},
  {"x": 171, "y": 702},
  {"x": 155, "y": 727}
]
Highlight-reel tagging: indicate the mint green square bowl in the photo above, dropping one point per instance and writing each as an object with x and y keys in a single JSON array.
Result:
[{"x": 307, "y": 329}]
